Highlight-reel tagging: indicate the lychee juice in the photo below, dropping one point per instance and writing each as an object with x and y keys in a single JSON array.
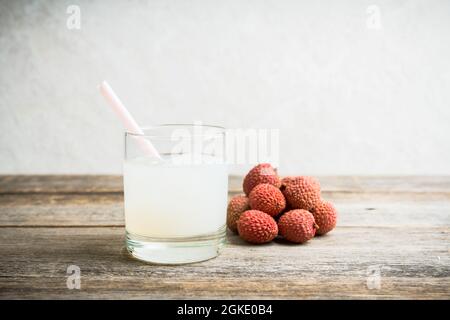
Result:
[{"x": 169, "y": 199}]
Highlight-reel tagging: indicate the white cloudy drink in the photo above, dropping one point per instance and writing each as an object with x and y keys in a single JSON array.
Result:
[{"x": 172, "y": 197}]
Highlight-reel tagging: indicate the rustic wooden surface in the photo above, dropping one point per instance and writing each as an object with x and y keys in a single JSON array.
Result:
[{"x": 397, "y": 227}]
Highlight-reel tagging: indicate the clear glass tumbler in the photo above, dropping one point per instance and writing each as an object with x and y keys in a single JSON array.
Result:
[{"x": 175, "y": 207}]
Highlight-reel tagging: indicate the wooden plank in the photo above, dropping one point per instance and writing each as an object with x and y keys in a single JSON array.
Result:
[
  {"x": 60, "y": 209},
  {"x": 107, "y": 184},
  {"x": 399, "y": 225},
  {"x": 60, "y": 183},
  {"x": 106, "y": 209},
  {"x": 389, "y": 184},
  {"x": 413, "y": 263}
]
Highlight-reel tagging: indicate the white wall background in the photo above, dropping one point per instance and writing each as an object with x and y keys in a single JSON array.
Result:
[{"x": 347, "y": 99}]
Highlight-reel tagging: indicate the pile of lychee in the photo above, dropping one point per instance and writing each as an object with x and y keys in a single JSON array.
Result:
[{"x": 291, "y": 208}]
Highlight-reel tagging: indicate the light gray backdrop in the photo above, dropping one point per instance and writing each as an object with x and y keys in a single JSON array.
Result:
[{"x": 355, "y": 87}]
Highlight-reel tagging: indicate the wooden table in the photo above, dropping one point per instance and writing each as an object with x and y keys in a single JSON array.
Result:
[{"x": 392, "y": 241}]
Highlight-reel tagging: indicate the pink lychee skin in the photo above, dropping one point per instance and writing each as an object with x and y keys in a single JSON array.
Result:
[
  {"x": 262, "y": 173},
  {"x": 267, "y": 198},
  {"x": 257, "y": 227},
  {"x": 297, "y": 226},
  {"x": 287, "y": 179},
  {"x": 237, "y": 205},
  {"x": 325, "y": 215},
  {"x": 301, "y": 192}
]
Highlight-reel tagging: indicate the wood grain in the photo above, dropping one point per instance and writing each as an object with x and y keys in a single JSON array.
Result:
[
  {"x": 397, "y": 225},
  {"x": 415, "y": 265},
  {"x": 60, "y": 184},
  {"x": 106, "y": 209}
]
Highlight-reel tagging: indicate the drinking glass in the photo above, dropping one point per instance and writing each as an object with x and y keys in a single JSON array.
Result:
[{"x": 175, "y": 206}]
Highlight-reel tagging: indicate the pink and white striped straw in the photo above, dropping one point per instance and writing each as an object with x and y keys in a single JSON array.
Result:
[{"x": 127, "y": 120}]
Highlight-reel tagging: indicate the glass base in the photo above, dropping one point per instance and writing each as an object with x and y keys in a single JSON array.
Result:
[{"x": 175, "y": 250}]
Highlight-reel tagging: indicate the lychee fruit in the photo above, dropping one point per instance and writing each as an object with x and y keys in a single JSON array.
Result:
[
  {"x": 262, "y": 173},
  {"x": 267, "y": 198},
  {"x": 325, "y": 215},
  {"x": 257, "y": 227},
  {"x": 297, "y": 226},
  {"x": 301, "y": 192},
  {"x": 237, "y": 205},
  {"x": 287, "y": 179}
]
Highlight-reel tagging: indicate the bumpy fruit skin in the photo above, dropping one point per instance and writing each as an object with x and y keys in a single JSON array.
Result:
[
  {"x": 297, "y": 226},
  {"x": 262, "y": 173},
  {"x": 237, "y": 205},
  {"x": 257, "y": 227},
  {"x": 301, "y": 192},
  {"x": 287, "y": 179},
  {"x": 267, "y": 198},
  {"x": 325, "y": 215}
]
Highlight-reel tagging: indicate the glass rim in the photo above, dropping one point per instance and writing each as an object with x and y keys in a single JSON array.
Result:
[{"x": 168, "y": 125}]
